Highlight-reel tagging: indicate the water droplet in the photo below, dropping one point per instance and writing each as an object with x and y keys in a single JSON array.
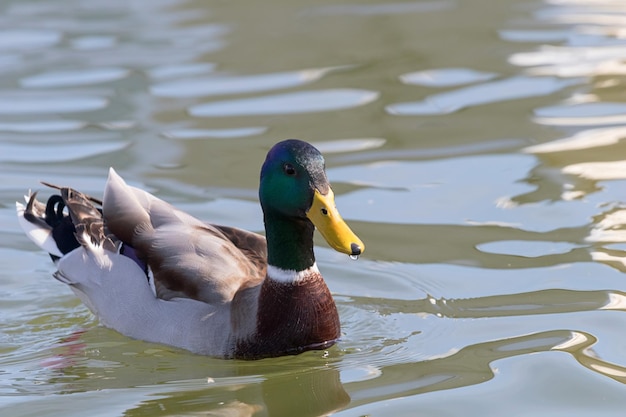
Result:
[{"x": 354, "y": 257}]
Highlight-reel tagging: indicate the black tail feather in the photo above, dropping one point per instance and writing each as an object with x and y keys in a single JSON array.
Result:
[{"x": 65, "y": 215}]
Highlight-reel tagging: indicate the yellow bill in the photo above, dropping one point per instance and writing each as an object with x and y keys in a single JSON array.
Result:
[{"x": 327, "y": 220}]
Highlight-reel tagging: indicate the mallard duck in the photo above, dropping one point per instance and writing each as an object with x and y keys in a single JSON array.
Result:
[{"x": 155, "y": 273}]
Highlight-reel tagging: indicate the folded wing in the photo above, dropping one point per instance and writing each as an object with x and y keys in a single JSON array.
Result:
[{"x": 188, "y": 258}]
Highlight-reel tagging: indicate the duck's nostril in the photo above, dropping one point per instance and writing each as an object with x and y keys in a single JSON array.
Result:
[{"x": 356, "y": 249}]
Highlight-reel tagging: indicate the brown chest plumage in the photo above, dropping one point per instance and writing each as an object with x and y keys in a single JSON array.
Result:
[{"x": 292, "y": 318}]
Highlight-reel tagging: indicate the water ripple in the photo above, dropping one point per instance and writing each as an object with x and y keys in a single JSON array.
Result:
[
  {"x": 90, "y": 43},
  {"x": 288, "y": 103},
  {"x": 45, "y": 153},
  {"x": 446, "y": 77},
  {"x": 509, "y": 89},
  {"x": 28, "y": 39},
  {"x": 534, "y": 35},
  {"x": 236, "y": 84},
  {"x": 42, "y": 126},
  {"x": 87, "y": 76},
  {"x": 582, "y": 114},
  {"x": 391, "y": 194},
  {"x": 385, "y": 8},
  {"x": 182, "y": 70},
  {"x": 589, "y": 50},
  {"x": 587, "y": 139},
  {"x": 349, "y": 145},
  {"x": 598, "y": 171},
  {"x": 557, "y": 55},
  {"x": 609, "y": 227},
  {"x": 526, "y": 248},
  {"x": 19, "y": 102},
  {"x": 237, "y": 132}
]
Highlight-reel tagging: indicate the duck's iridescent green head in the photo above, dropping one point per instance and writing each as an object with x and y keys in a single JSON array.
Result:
[{"x": 294, "y": 186}]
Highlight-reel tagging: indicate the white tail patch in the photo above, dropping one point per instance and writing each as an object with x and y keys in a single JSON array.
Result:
[
  {"x": 99, "y": 254},
  {"x": 40, "y": 235}
]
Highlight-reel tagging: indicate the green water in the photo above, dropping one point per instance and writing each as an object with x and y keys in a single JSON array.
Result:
[{"x": 475, "y": 146}]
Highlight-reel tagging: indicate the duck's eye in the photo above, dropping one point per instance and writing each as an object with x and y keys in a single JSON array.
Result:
[
  {"x": 324, "y": 211},
  {"x": 289, "y": 169}
]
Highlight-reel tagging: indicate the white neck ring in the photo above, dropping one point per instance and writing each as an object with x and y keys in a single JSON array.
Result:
[{"x": 290, "y": 276}]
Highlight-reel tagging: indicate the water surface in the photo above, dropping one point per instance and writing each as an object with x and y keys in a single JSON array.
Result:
[{"x": 480, "y": 160}]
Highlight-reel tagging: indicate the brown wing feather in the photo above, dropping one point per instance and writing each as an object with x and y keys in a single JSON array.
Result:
[
  {"x": 253, "y": 245},
  {"x": 188, "y": 258},
  {"x": 200, "y": 262},
  {"x": 86, "y": 218}
]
